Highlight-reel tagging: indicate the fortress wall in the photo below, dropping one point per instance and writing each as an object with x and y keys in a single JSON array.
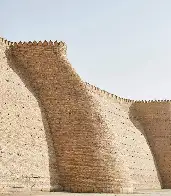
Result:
[
  {"x": 131, "y": 141},
  {"x": 156, "y": 120},
  {"x": 87, "y": 152},
  {"x": 26, "y": 147},
  {"x": 98, "y": 148}
]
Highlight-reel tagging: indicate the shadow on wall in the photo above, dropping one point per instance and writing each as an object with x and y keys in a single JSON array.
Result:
[
  {"x": 155, "y": 118},
  {"x": 84, "y": 163}
]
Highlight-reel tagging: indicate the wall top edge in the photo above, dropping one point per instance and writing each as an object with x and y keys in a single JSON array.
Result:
[
  {"x": 43, "y": 43},
  {"x": 123, "y": 99},
  {"x": 61, "y": 44}
]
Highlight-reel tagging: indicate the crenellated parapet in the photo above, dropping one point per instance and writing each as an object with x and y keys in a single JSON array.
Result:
[
  {"x": 5, "y": 42},
  {"x": 107, "y": 94},
  {"x": 123, "y": 100},
  {"x": 54, "y": 46},
  {"x": 60, "y": 48},
  {"x": 152, "y": 101}
]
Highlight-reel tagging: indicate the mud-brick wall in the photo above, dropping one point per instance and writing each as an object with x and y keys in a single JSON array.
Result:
[
  {"x": 27, "y": 159},
  {"x": 155, "y": 118},
  {"x": 128, "y": 137},
  {"x": 85, "y": 152},
  {"x": 97, "y": 146}
]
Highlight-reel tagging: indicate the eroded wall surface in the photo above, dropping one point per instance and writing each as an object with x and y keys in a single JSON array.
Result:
[
  {"x": 88, "y": 141},
  {"x": 155, "y": 118},
  {"x": 80, "y": 135},
  {"x": 27, "y": 159},
  {"x": 129, "y": 137}
]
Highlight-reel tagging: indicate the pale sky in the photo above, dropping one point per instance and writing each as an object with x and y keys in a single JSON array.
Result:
[{"x": 121, "y": 46}]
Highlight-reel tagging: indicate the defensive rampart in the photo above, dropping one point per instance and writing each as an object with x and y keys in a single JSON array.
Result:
[{"x": 59, "y": 133}]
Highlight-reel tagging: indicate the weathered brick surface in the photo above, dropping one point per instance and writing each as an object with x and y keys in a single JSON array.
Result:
[
  {"x": 155, "y": 118},
  {"x": 25, "y": 142},
  {"x": 68, "y": 134},
  {"x": 130, "y": 139}
]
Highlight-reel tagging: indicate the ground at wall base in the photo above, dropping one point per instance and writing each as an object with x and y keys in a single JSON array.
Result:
[{"x": 163, "y": 192}]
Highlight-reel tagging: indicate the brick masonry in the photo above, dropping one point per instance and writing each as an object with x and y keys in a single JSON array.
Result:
[{"x": 61, "y": 133}]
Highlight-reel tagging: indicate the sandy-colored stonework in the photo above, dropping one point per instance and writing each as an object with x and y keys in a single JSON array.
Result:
[{"x": 60, "y": 133}]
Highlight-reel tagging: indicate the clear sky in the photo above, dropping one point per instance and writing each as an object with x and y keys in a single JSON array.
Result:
[{"x": 122, "y": 46}]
